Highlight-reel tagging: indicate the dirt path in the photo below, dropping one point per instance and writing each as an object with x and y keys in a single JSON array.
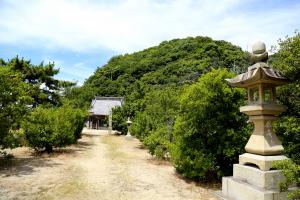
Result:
[{"x": 98, "y": 167}]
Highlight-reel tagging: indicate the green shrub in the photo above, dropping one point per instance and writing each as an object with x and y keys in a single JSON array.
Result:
[
  {"x": 154, "y": 125},
  {"x": 292, "y": 173},
  {"x": 119, "y": 119},
  {"x": 288, "y": 129},
  {"x": 14, "y": 98},
  {"x": 210, "y": 132},
  {"x": 288, "y": 126},
  {"x": 46, "y": 128},
  {"x": 77, "y": 118},
  {"x": 158, "y": 142},
  {"x": 141, "y": 125}
]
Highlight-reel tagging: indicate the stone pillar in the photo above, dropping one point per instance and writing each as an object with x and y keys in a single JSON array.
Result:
[
  {"x": 110, "y": 123},
  {"x": 97, "y": 123},
  {"x": 90, "y": 122}
]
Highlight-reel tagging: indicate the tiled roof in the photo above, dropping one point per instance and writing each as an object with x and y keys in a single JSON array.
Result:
[{"x": 103, "y": 105}]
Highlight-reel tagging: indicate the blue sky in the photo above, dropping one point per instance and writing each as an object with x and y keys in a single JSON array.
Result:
[{"x": 81, "y": 35}]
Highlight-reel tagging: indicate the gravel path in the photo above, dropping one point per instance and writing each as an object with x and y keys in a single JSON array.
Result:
[{"x": 98, "y": 167}]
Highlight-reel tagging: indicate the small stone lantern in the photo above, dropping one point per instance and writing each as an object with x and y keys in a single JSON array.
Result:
[
  {"x": 128, "y": 127},
  {"x": 253, "y": 177}
]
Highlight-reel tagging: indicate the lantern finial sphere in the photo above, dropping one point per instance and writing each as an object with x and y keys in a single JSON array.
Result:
[
  {"x": 259, "y": 53},
  {"x": 258, "y": 47}
]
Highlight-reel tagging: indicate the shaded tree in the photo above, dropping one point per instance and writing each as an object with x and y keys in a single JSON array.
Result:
[
  {"x": 210, "y": 132},
  {"x": 14, "y": 100},
  {"x": 287, "y": 60}
]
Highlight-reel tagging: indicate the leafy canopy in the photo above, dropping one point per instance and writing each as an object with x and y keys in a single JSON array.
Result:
[{"x": 210, "y": 132}]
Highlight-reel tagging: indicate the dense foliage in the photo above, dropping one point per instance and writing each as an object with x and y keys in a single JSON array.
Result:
[
  {"x": 210, "y": 132},
  {"x": 46, "y": 128},
  {"x": 14, "y": 96},
  {"x": 154, "y": 125},
  {"x": 292, "y": 173},
  {"x": 287, "y": 60},
  {"x": 43, "y": 86},
  {"x": 176, "y": 62},
  {"x": 118, "y": 120},
  {"x": 31, "y": 92}
]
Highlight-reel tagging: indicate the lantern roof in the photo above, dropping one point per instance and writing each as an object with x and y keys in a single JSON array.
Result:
[{"x": 259, "y": 72}]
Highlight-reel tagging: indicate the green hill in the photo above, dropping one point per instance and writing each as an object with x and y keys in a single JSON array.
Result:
[{"x": 171, "y": 63}]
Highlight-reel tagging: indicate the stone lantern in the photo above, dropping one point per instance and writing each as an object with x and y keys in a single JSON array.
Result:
[
  {"x": 128, "y": 127},
  {"x": 253, "y": 177}
]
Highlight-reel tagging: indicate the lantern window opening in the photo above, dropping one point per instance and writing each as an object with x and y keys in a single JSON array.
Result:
[
  {"x": 269, "y": 93},
  {"x": 253, "y": 95},
  {"x": 262, "y": 94}
]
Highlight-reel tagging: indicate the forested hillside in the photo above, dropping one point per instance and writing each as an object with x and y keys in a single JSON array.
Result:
[{"x": 171, "y": 63}]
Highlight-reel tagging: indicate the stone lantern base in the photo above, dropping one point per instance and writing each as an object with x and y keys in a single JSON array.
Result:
[
  {"x": 128, "y": 135},
  {"x": 251, "y": 182}
]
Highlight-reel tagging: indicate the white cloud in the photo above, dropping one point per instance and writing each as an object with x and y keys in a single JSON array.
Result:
[
  {"x": 131, "y": 25},
  {"x": 75, "y": 70}
]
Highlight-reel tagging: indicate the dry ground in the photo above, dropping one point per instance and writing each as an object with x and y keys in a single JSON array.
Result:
[{"x": 98, "y": 167}]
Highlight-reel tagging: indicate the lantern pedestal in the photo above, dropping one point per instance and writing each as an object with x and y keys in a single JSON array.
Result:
[
  {"x": 240, "y": 188},
  {"x": 254, "y": 182},
  {"x": 249, "y": 183}
]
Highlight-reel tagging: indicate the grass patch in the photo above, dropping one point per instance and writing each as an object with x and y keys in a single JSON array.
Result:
[
  {"x": 114, "y": 146},
  {"x": 68, "y": 188}
]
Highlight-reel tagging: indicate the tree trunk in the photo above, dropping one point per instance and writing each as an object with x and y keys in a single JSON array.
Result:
[{"x": 49, "y": 148}]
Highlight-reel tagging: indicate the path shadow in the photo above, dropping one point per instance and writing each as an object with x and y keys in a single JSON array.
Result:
[
  {"x": 213, "y": 185},
  {"x": 159, "y": 161},
  {"x": 28, "y": 164},
  {"x": 84, "y": 144},
  {"x": 140, "y": 146},
  {"x": 24, "y": 166},
  {"x": 76, "y": 148},
  {"x": 92, "y": 135}
]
